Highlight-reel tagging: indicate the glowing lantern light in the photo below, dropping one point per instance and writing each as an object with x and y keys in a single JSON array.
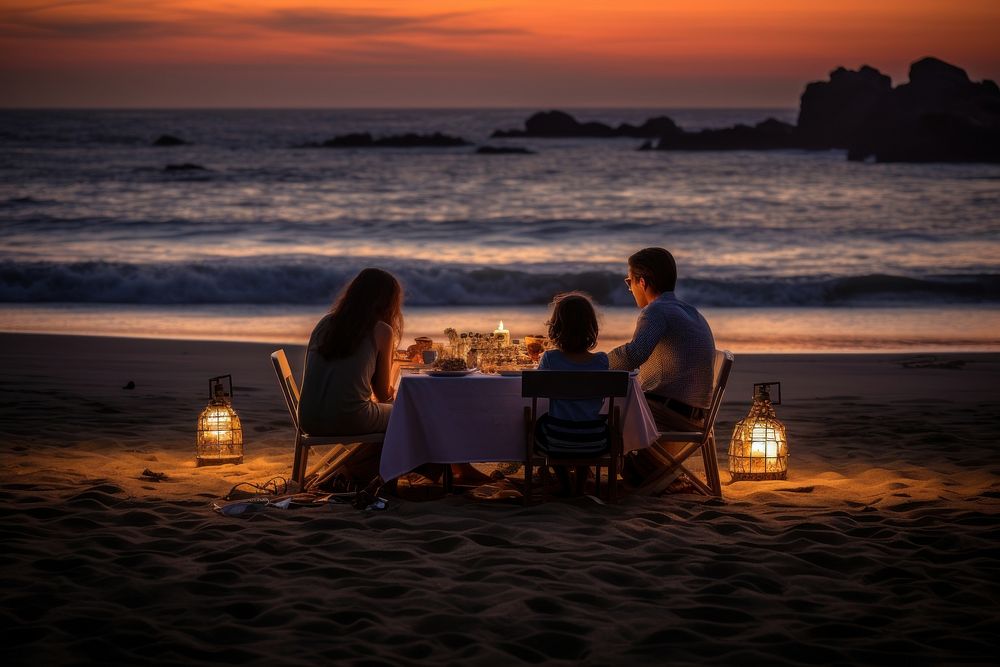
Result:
[
  {"x": 220, "y": 434},
  {"x": 759, "y": 448}
]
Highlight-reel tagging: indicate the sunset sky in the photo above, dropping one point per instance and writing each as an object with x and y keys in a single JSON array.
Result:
[{"x": 448, "y": 53}]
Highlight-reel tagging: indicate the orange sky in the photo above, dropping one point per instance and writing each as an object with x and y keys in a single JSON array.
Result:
[{"x": 300, "y": 53}]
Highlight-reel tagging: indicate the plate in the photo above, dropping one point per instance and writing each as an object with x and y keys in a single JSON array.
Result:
[{"x": 452, "y": 374}]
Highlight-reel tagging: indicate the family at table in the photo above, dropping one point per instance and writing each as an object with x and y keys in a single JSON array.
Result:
[{"x": 349, "y": 385}]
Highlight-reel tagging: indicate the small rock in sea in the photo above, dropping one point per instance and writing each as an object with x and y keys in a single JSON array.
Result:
[
  {"x": 185, "y": 166},
  {"x": 504, "y": 150},
  {"x": 352, "y": 140},
  {"x": 646, "y": 146},
  {"x": 169, "y": 140},
  {"x": 556, "y": 124},
  {"x": 129, "y": 385}
]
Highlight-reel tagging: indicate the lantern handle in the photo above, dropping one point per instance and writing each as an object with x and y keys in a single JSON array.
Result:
[
  {"x": 767, "y": 388},
  {"x": 212, "y": 382}
]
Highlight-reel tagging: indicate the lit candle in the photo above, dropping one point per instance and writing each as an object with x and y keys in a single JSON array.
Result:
[{"x": 505, "y": 333}]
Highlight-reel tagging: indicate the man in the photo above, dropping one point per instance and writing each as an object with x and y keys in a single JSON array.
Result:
[{"x": 672, "y": 347}]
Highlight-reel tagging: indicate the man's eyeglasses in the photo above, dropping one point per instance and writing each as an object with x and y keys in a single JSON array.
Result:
[{"x": 628, "y": 281}]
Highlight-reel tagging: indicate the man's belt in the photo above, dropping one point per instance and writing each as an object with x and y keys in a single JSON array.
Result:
[{"x": 679, "y": 407}]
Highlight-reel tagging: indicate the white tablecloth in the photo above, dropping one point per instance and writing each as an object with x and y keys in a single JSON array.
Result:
[{"x": 477, "y": 418}]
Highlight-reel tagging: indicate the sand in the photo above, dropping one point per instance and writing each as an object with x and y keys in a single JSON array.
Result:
[{"x": 882, "y": 546}]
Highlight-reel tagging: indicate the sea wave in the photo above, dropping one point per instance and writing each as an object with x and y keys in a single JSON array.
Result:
[{"x": 316, "y": 280}]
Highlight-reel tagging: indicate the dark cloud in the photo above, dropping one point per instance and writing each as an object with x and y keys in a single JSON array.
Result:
[
  {"x": 347, "y": 24},
  {"x": 305, "y": 21},
  {"x": 320, "y": 22}
]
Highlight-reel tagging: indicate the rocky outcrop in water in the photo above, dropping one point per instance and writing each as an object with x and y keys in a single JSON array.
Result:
[
  {"x": 551, "y": 124},
  {"x": 555, "y": 124},
  {"x": 770, "y": 134},
  {"x": 660, "y": 126},
  {"x": 185, "y": 166},
  {"x": 169, "y": 140},
  {"x": 939, "y": 116},
  {"x": 831, "y": 113},
  {"x": 409, "y": 140}
]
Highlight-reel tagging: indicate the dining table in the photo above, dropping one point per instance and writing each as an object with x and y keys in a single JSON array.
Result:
[{"x": 477, "y": 418}]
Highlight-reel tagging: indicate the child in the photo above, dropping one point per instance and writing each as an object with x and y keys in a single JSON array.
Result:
[{"x": 572, "y": 427}]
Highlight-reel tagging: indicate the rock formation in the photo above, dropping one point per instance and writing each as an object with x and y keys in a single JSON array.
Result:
[
  {"x": 939, "y": 116},
  {"x": 831, "y": 113},
  {"x": 770, "y": 134},
  {"x": 169, "y": 140},
  {"x": 185, "y": 166},
  {"x": 554, "y": 124}
]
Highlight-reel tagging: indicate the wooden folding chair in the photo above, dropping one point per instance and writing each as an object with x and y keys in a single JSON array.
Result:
[
  {"x": 573, "y": 385},
  {"x": 672, "y": 466},
  {"x": 344, "y": 446}
]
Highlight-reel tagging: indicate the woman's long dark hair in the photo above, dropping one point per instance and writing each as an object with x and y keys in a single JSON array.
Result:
[
  {"x": 573, "y": 325},
  {"x": 373, "y": 296}
]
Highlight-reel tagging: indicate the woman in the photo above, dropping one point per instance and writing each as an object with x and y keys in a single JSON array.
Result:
[
  {"x": 349, "y": 360},
  {"x": 348, "y": 383}
]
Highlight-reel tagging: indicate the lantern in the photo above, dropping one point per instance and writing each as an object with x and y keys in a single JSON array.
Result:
[
  {"x": 759, "y": 448},
  {"x": 220, "y": 434}
]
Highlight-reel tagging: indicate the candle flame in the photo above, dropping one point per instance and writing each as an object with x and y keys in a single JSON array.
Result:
[{"x": 500, "y": 328}]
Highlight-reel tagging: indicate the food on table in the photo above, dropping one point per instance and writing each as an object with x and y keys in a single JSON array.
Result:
[
  {"x": 451, "y": 364},
  {"x": 415, "y": 352},
  {"x": 492, "y": 352}
]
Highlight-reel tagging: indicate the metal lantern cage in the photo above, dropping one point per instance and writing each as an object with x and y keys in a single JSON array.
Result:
[
  {"x": 220, "y": 434},
  {"x": 759, "y": 447}
]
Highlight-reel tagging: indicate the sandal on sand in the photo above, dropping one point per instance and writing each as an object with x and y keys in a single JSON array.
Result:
[
  {"x": 243, "y": 508},
  {"x": 680, "y": 485},
  {"x": 276, "y": 486},
  {"x": 501, "y": 490}
]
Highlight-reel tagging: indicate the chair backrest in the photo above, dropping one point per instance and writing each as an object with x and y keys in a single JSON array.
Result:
[
  {"x": 721, "y": 367},
  {"x": 289, "y": 388},
  {"x": 574, "y": 385}
]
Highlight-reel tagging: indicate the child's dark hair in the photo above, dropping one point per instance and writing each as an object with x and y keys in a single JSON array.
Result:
[{"x": 573, "y": 325}]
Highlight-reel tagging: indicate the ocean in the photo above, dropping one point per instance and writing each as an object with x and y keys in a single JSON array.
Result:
[{"x": 784, "y": 251}]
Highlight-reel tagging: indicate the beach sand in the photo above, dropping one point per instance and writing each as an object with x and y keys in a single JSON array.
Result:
[{"x": 883, "y": 545}]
